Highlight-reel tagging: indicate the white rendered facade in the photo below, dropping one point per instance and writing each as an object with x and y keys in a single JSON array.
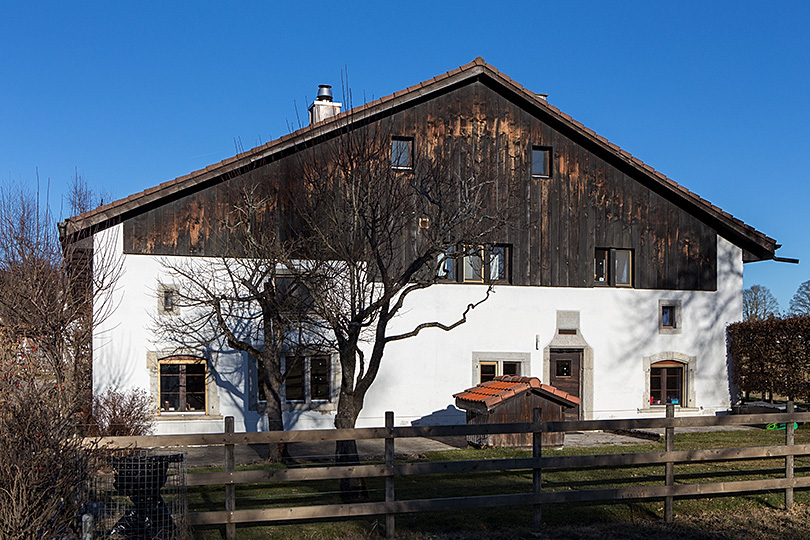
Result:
[{"x": 616, "y": 329}]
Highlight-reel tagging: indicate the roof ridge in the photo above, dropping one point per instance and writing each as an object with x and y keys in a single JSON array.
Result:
[{"x": 478, "y": 63}]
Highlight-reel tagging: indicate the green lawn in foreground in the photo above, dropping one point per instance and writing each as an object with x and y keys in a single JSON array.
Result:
[{"x": 513, "y": 522}]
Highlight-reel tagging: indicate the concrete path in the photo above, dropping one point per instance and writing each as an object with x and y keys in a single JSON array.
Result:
[{"x": 249, "y": 454}]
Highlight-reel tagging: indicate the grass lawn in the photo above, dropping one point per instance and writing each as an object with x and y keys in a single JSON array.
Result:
[{"x": 756, "y": 516}]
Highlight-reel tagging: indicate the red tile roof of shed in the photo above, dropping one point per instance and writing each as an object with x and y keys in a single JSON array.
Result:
[{"x": 499, "y": 389}]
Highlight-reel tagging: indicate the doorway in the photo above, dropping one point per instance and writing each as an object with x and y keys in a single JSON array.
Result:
[{"x": 566, "y": 374}]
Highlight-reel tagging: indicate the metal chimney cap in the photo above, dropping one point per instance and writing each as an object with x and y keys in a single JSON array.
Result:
[{"x": 324, "y": 92}]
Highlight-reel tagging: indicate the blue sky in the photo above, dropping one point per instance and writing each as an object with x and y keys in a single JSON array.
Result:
[{"x": 716, "y": 95}]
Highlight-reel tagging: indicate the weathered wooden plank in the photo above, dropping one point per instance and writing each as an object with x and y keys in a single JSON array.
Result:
[
  {"x": 333, "y": 472},
  {"x": 360, "y": 509},
  {"x": 455, "y": 503},
  {"x": 153, "y": 441},
  {"x": 678, "y": 456}
]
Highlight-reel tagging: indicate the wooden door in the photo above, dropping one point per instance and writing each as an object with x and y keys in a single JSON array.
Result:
[{"x": 566, "y": 370}]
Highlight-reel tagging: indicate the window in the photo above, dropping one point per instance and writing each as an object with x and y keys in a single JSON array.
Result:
[
  {"x": 669, "y": 316},
  {"x": 563, "y": 368},
  {"x": 402, "y": 152},
  {"x": 167, "y": 298},
  {"x": 541, "y": 162},
  {"x": 447, "y": 265},
  {"x": 613, "y": 267},
  {"x": 489, "y": 369},
  {"x": 666, "y": 383},
  {"x": 474, "y": 264},
  {"x": 308, "y": 378},
  {"x": 479, "y": 264},
  {"x": 182, "y": 385},
  {"x": 293, "y": 296}
]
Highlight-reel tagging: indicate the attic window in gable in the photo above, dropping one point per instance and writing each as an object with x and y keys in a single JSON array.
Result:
[
  {"x": 402, "y": 152},
  {"x": 541, "y": 162},
  {"x": 613, "y": 267}
]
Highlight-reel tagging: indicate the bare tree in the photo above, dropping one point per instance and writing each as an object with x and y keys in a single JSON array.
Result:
[
  {"x": 384, "y": 222},
  {"x": 51, "y": 292},
  {"x": 759, "y": 304},
  {"x": 800, "y": 303},
  {"x": 252, "y": 298},
  {"x": 49, "y": 296}
]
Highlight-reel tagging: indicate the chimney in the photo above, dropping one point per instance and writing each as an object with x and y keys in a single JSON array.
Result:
[{"x": 323, "y": 107}]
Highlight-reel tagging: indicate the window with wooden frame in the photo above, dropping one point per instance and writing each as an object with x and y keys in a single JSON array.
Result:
[
  {"x": 293, "y": 295},
  {"x": 489, "y": 369},
  {"x": 167, "y": 300},
  {"x": 669, "y": 316},
  {"x": 308, "y": 378},
  {"x": 447, "y": 265},
  {"x": 541, "y": 162},
  {"x": 484, "y": 264},
  {"x": 613, "y": 266},
  {"x": 667, "y": 383},
  {"x": 402, "y": 152},
  {"x": 182, "y": 385}
]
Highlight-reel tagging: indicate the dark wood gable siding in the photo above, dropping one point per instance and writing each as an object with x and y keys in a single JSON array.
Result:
[{"x": 587, "y": 203}]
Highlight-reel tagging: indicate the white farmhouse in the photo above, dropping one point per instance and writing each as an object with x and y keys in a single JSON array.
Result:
[{"x": 615, "y": 284}]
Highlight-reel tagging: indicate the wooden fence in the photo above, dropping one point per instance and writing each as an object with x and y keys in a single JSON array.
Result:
[{"x": 391, "y": 470}]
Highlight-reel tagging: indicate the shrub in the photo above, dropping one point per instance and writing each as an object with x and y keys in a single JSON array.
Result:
[
  {"x": 44, "y": 467},
  {"x": 121, "y": 414}
]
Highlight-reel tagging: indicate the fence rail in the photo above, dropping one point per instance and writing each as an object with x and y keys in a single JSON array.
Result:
[{"x": 390, "y": 470}]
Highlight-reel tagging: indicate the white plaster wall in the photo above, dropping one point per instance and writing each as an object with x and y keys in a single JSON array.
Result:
[{"x": 419, "y": 375}]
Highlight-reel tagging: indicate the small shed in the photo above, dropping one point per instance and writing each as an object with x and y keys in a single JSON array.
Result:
[{"x": 511, "y": 398}]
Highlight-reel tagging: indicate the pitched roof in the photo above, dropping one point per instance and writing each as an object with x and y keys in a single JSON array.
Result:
[
  {"x": 754, "y": 242},
  {"x": 491, "y": 393}
]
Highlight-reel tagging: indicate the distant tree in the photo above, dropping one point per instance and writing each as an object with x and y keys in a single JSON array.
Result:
[
  {"x": 800, "y": 303},
  {"x": 759, "y": 304}
]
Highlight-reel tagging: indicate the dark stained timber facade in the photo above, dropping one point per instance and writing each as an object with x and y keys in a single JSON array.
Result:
[{"x": 588, "y": 202}]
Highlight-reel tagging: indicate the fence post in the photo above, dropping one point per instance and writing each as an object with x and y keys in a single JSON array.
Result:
[
  {"x": 669, "y": 434},
  {"x": 537, "y": 472},
  {"x": 789, "y": 459},
  {"x": 389, "y": 467},
  {"x": 230, "y": 490}
]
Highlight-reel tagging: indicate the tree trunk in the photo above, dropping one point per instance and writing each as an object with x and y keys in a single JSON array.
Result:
[
  {"x": 274, "y": 411},
  {"x": 351, "y": 489}
]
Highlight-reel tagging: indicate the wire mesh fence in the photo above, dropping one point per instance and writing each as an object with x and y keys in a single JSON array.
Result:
[{"x": 137, "y": 494}]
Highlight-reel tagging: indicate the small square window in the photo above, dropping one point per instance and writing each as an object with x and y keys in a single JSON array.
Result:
[
  {"x": 541, "y": 162},
  {"x": 563, "y": 368},
  {"x": 669, "y": 316},
  {"x": 167, "y": 300},
  {"x": 402, "y": 152}
]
